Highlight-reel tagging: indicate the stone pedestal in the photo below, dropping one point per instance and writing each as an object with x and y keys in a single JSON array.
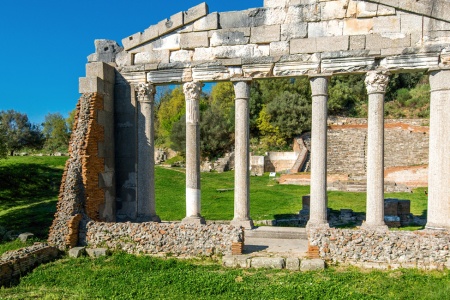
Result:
[
  {"x": 192, "y": 91},
  {"x": 242, "y": 158},
  {"x": 145, "y": 157},
  {"x": 318, "y": 197},
  {"x": 439, "y": 156},
  {"x": 376, "y": 84}
]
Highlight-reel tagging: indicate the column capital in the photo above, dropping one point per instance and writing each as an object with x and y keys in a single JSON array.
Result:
[
  {"x": 377, "y": 81},
  {"x": 192, "y": 90},
  {"x": 145, "y": 92},
  {"x": 242, "y": 89},
  {"x": 319, "y": 85}
]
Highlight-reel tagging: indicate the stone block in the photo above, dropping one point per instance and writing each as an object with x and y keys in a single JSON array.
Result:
[
  {"x": 292, "y": 264},
  {"x": 131, "y": 41},
  {"x": 101, "y": 70},
  {"x": 90, "y": 85},
  {"x": 265, "y": 34},
  {"x": 440, "y": 10},
  {"x": 276, "y": 3},
  {"x": 303, "y": 46},
  {"x": 420, "y": 7},
  {"x": 355, "y": 26},
  {"x": 357, "y": 42},
  {"x": 330, "y": 44},
  {"x": 210, "y": 73},
  {"x": 77, "y": 252},
  {"x": 257, "y": 70},
  {"x": 150, "y": 33},
  {"x": 169, "y": 25},
  {"x": 196, "y": 13},
  {"x": 384, "y": 10},
  {"x": 414, "y": 61},
  {"x": 194, "y": 40},
  {"x": 434, "y": 25},
  {"x": 97, "y": 252},
  {"x": 209, "y": 22},
  {"x": 312, "y": 265},
  {"x": 181, "y": 56},
  {"x": 293, "y": 31},
  {"x": 170, "y": 75},
  {"x": 279, "y": 48},
  {"x": 23, "y": 237},
  {"x": 377, "y": 41},
  {"x": 332, "y": 10},
  {"x": 106, "y": 179},
  {"x": 236, "y": 261},
  {"x": 326, "y": 28},
  {"x": 170, "y": 42},
  {"x": 411, "y": 23},
  {"x": 348, "y": 64},
  {"x": 390, "y": 24},
  {"x": 234, "y": 19},
  {"x": 228, "y": 38},
  {"x": 366, "y": 9},
  {"x": 267, "y": 262},
  {"x": 157, "y": 56}
]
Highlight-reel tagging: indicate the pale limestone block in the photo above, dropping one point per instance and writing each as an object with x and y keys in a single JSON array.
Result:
[
  {"x": 411, "y": 23},
  {"x": 384, "y": 10},
  {"x": 161, "y": 56},
  {"x": 357, "y": 42},
  {"x": 352, "y": 9},
  {"x": 230, "y": 61},
  {"x": 414, "y": 61},
  {"x": 416, "y": 39},
  {"x": 186, "y": 28},
  {"x": 131, "y": 41},
  {"x": 293, "y": 31},
  {"x": 267, "y": 262},
  {"x": 275, "y": 3},
  {"x": 435, "y": 25},
  {"x": 257, "y": 70},
  {"x": 181, "y": 56},
  {"x": 279, "y": 48},
  {"x": 209, "y": 22},
  {"x": 312, "y": 265},
  {"x": 143, "y": 48},
  {"x": 228, "y": 38},
  {"x": 440, "y": 11},
  {"x": 97, "y": 252},
  {"x": 420, "y": 7},
  {"x": 377, "y": 41},
  {"x": 330, "y": 44},
  {"x": 77, "y": 252},
  {"x": 445, "y": 60},
  {"x": 195, "y": 13},
  {"x": 244, "y": 30},
  {"x": 265, "y": 34},
  {"x": 386, "y": 24},
  {"x": 194, "y": 39},
  {"x": 366, "y": 9},
  {"x": 326, "y": 28},
  {"x": 348, "y": 65},
  {"x": 101, "y": 70},
  {"x": 234, "y": 19},
  {"x": 355, "y": 26},
  {"x": 210, "y": 73},
  {"x": 150, "y": 33},
  {"x": 168, "y": 25},
  {"x": 23, "y": 237},
  {"x": 296, "y": 68},
  {"x": 294, "y": 14},
  {"x": 303, "y": 46},
  {"x": 203, "y": 54},
  {"x": 292, "y": 264},
  {"x": 170, "y": 42},
  {"x": 169, "y": 75},
  {"x": 275, "y": 16},
  {"x": 124, "y": 59},
  {"x": 333, "y": 10},
  {"x": 311, "y": 12},
  {"x": 90, "y": 85},
  {"x": 391, "y": 3},
  {"x": 392, "y": 51}
]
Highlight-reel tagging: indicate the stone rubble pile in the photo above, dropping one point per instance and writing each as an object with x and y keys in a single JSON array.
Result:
[
  {"x": 165, "y": 238},
  {"x": 377, "y": 249}
]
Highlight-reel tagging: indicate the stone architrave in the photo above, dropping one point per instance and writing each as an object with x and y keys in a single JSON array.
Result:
[
  {"x": 192, "y": 91},
  {"x": 146, "y": 206},
  {"x": 376, "y": 84},
  {"x": 242, "y": 158},
  {"x": 439, "y": 154},
  {"x": 319, "y": 201}
]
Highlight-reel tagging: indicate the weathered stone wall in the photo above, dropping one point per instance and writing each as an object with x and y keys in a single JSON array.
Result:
[
  {"x": 166, "y": 238},
  {"x": 406, "y": 144},
  {"x": 394, "y": 249},
  {"x": 14, "y": 264},
  {"x": 279, "y": 161}
]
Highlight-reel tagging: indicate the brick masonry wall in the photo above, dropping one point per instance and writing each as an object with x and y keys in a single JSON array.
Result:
[
  {"x": 167, "y": 238},
  {"x": 80, "y": 196},
  {"x": 14, "y": 264},
  {"x": 384, "y": 250}
]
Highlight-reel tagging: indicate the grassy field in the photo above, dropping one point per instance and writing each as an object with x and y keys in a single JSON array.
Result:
[{"x": 28, "y": 195}]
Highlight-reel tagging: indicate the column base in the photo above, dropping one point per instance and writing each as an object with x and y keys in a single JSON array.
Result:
[
  {"x": 317, "y": 225},
  {"x": 246, "y": 224},
  {"x": 154, "y": 218},
  {"x": 378, "y": 227},
  {"x": 431, "y": 226},
  {"x": 194, "y": 220}
]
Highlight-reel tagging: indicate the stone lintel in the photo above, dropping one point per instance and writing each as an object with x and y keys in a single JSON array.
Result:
[
  {"x": 296, "y": 68},
  {"x": 170, "y": 75},
  {"x": 348, "y": 65},
  {"x": 415, "y": 61}
]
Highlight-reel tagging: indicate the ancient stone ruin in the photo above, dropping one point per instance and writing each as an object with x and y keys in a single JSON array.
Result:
[{"x": 110, "y": 174}]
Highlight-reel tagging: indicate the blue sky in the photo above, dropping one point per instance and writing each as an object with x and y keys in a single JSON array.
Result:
[{"x": 44, "y": 44}]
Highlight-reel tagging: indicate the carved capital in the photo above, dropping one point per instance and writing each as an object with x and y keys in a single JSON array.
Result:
[
  {"x": 377, "y": 81},
  {"x": 192, "y": 90},
  {"x": 145, "y": 92}
]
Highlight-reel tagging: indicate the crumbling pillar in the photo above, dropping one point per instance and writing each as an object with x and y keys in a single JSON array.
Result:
[
  {"x": 439, "y": 154},
  {"x": 318, "y": 202},
  {"x": 242, "y": 157},
  {"x": 145, "y": 157},
  {"x": 192, "y": 91},
  {"x": 376, "y": 84}
]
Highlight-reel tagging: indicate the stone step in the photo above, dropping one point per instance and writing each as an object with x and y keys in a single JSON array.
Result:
[{"x": 272, "y": 232}]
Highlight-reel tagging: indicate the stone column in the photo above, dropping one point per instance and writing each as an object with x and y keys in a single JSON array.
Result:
[
  {"x": 241, "y": 156},
  {"x": 318, "y": 198},
  {"x": 192, "y": 91},
  {"x": 146, "y": 154},
  {"x": 376, "y": 84},
  {"x": 438, "y": 215}
]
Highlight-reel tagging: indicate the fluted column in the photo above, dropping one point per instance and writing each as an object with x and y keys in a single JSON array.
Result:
[
  {"x": 318, "y": 197},
  {"x": 146, "y": 154},
  {"x": 241, "y": 160},
  {"x": 438, "y": 215},
  {"x": 376, "y": 84},
  {"x": 192, "y": 91}
]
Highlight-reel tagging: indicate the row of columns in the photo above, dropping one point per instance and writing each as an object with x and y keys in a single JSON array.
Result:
[{"x": 376, "y": 84}]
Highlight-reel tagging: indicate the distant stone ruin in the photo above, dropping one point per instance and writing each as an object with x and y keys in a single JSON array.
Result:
[{"x": 110, "y": 176}]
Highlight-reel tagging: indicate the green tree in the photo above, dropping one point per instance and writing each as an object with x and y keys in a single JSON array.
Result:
[
  {"x": 170, "y": 110},
  {"x": 70, "y": 120},
  {"x": 19, "y": 132},
  {"x": 346, "y": 95},
  {"x": 56, "y": 132},
  {"x": 3, "y": 148}
]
